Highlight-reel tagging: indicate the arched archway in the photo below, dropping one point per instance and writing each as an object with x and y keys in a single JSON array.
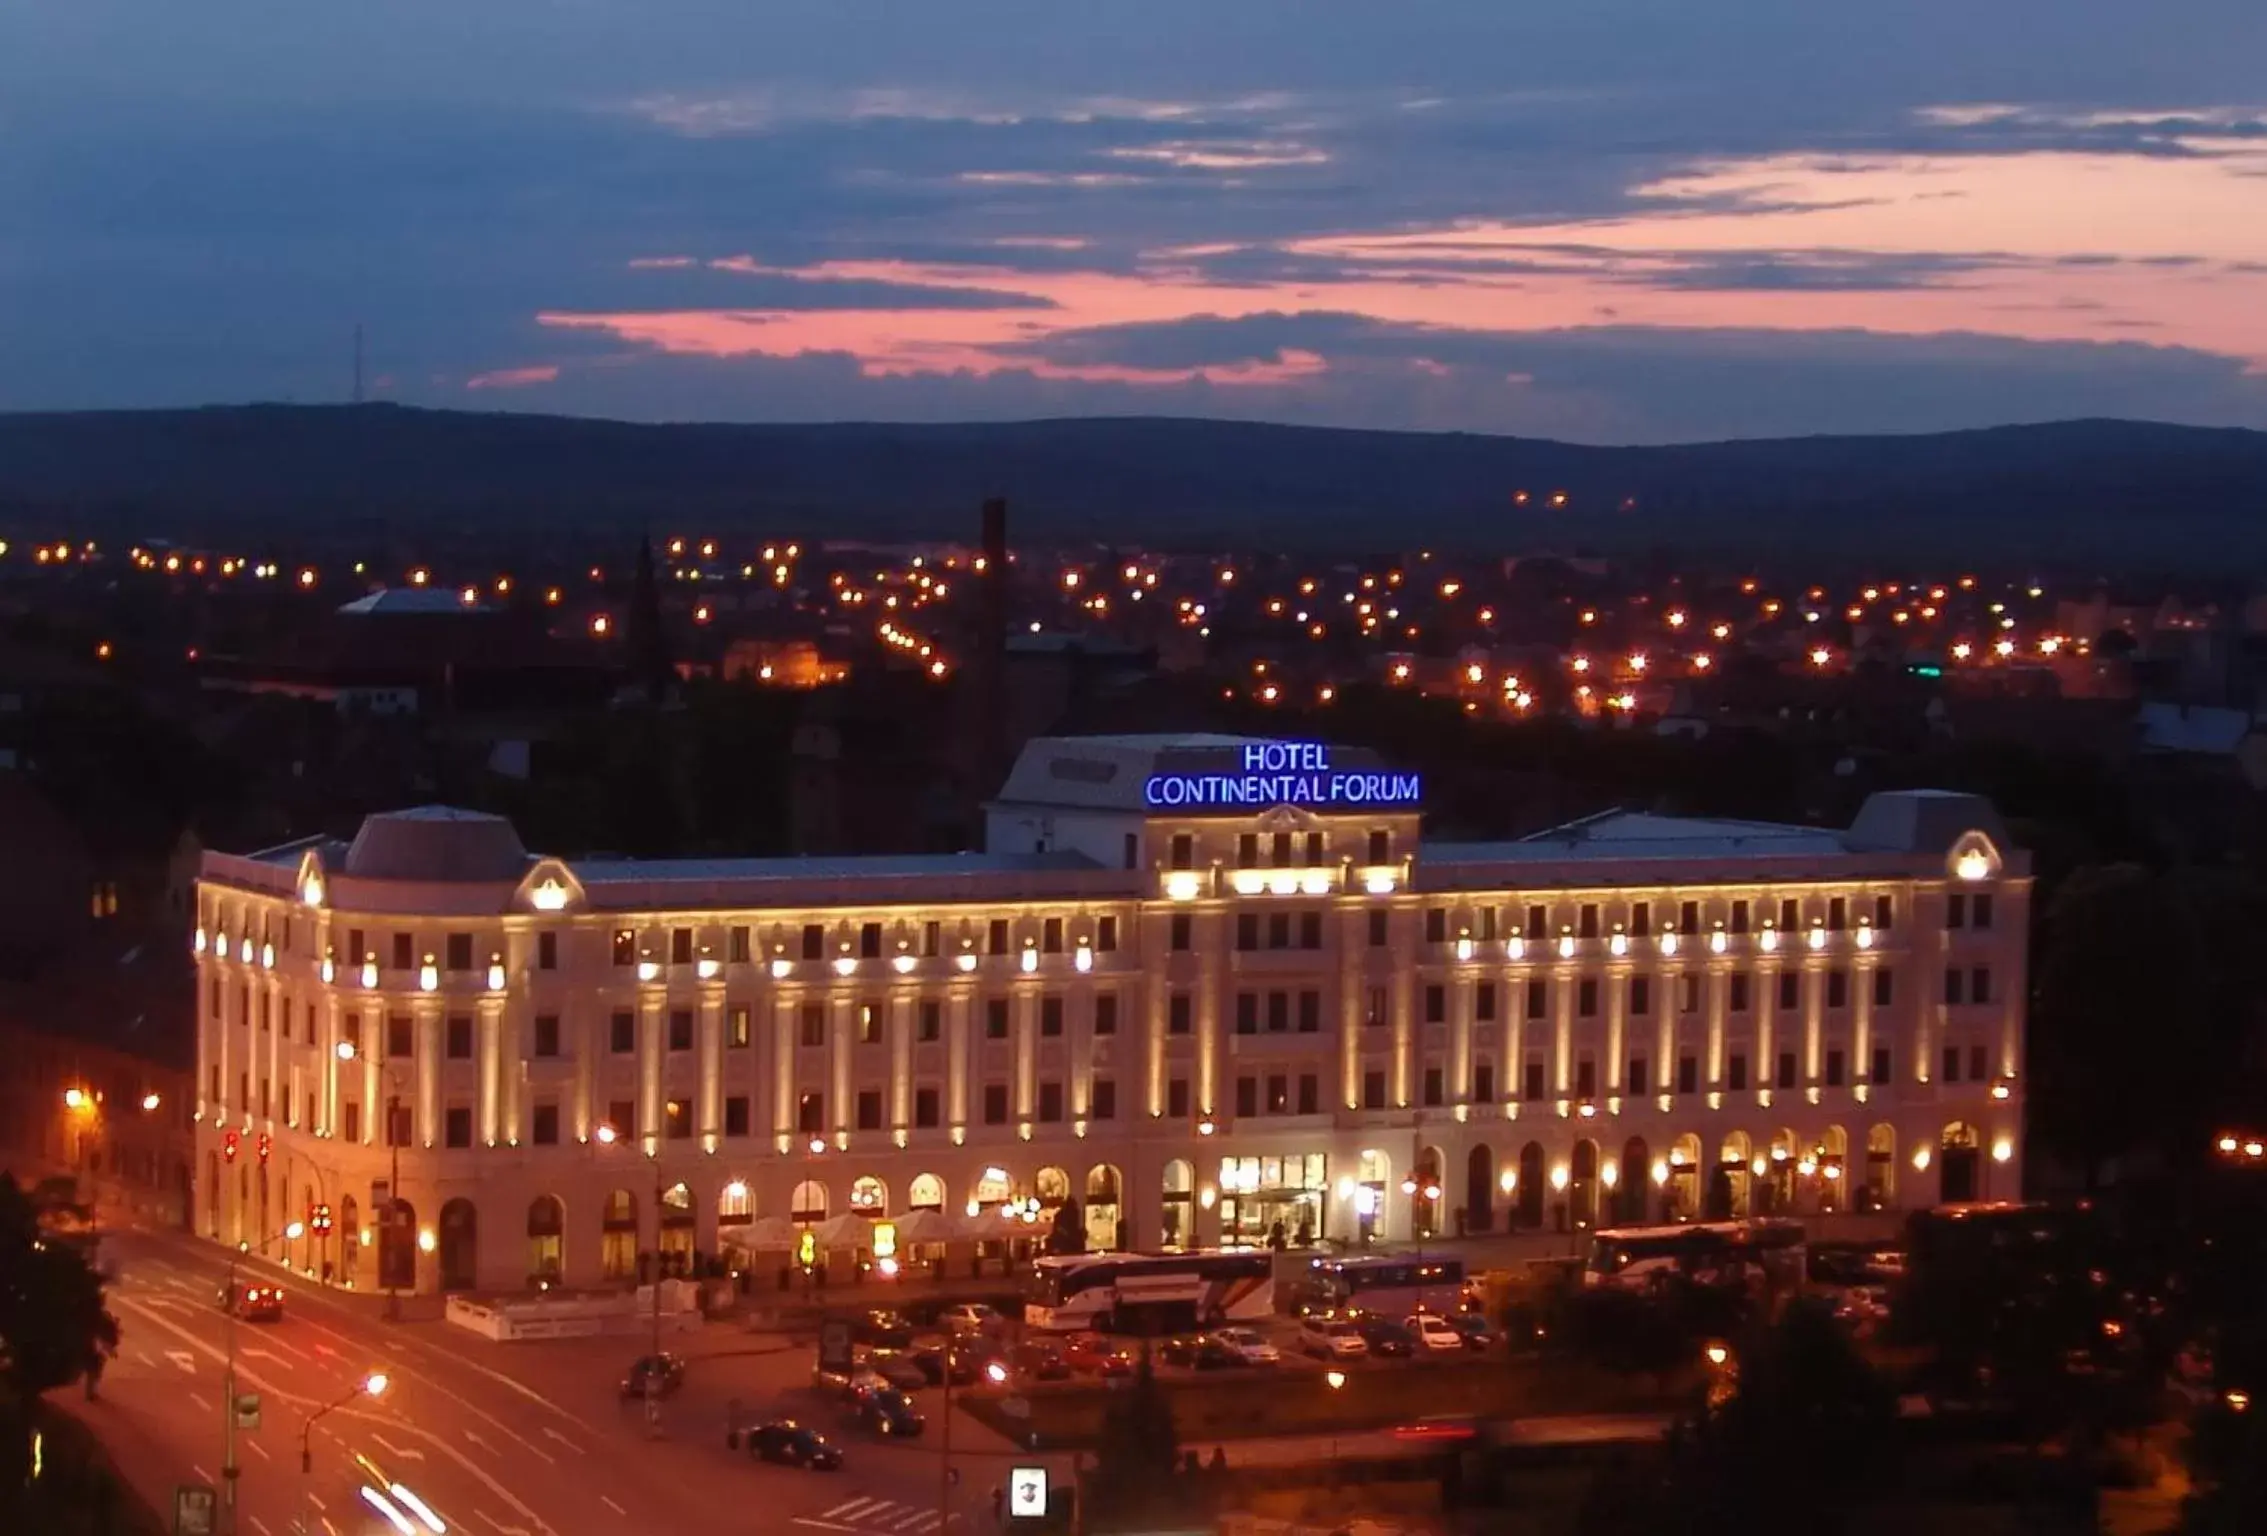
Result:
[
  {"x": 1730, "y": 1185},
  {"x": 1373, "y": 1175},
  {"x": 1775, "y": 1191},
  {"x": 1683, "y": 1195},
  {"x": 546, "y": 1239},
  {"x": 1582, "y": 1186},
  {"x": 1636, "y": 1181},
  {"x": 1834, "y": 1169},
  {"x": 618, "y": 1236},
  {"x": 350, "y": 1239},
  {"x": 926, "y": 1193},
  {"x": 459, "y": 1245},
  {"x": 679, "y": 1229},
  {"x": 397, "y": 1247},
  {"x": 1052, "y": 1186},
  {"x": 809, "y": 1202},
  {"x": 1880, "y": 1191},
  {"x": 1423, "y": 1187},
  {"x": 869, "y": 1196},
  {"x": 1102, "y": 1213},
  {"x": 1531, "y": 1184},
  {"x": 735, "y": 1204},
  {"x": 1177, "y": 1191},
  {"x": 1479, "y": 1188},
  {"x": 1959, "y": 1161}
]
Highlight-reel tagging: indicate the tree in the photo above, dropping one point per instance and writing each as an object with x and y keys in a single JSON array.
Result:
[
  {"x": 1069, "y": 1232},
  {"x": 53, "y": 1325},
  {"x": 1656, "y": 1334},
  {"x": 1136, "y": 1456}
]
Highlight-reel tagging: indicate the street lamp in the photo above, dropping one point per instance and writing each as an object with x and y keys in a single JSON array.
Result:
[
  {"x": 228, "y": 1471},
  {"x": 1336, "y": 1381},
  {"x": 372, "y": 1385},
  {"x": 386, "y": 1247},
  {"x": 815, "y": 1148}
]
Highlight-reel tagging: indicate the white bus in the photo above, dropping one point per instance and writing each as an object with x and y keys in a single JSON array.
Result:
[
  {"x": 1148, "y": 1293},
  {"x": 1767, "y": 1251},
  {"x": 1388, "y": 1284}
]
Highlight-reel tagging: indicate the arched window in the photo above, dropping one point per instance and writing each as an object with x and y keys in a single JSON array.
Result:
[
  {"x": 546, "y": 1238},
  {"x": 1052, "y": 1186},
  {"x": 1881, "y": 1166},
  {"x": 869, "y": 1197},
  {"x": 735, "y": 1206},
  {"x": 618, "y": 1239},
  {"x": 677, "y": 1202},
  {"x": 927, "y": 1193},
  {"x": 810, "y": 1201},
  {"x": 993, "y": 1187},
  {"x": 1179, "y": 1206}
]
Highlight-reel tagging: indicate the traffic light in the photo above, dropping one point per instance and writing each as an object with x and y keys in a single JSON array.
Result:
[
  {"x": 265, "y": 1146},
  {"x": 228, "y": 1148}
]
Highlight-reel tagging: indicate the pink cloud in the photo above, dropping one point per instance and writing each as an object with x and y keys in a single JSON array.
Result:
[{"x": 513, "y": 378}]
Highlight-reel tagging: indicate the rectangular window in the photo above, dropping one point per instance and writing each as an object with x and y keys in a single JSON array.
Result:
[
  {"x": 1184, "y": 851},
  {"x": 1051, "y": 936},
  {"x": 738, "y": 1026},
  {"x": 1790, "y": 914},
  {"x": 1247, "y": 1013},
  {"x": 405, "y": 951},
  {"x": 995, "y": 1018},
  {"x": 932, "y": 1019},
  {"x": 812, "y": 1024},
  {"x": 1979, "y": 911},
  {"x": 1688, "y": 1074},
  {"x": 1881, "y": 1063},
  {"x": 1688, "y": 992},
  {"x": 681, "y": 1029},
  {"x": 995, "y": 1103},
  {"x": 456, "y": 1126},
  {"x": 1375, "y": 1010},
  {"x": 1373, "y": 1089},
  {"x": 1538, "y": 923},
  {"x": 1838, "y": 913},
  {"x": 1884, "y": 911},
  {"x": 622, "y": 1115},
  {"x": 1834, "y": 1069},
  {"x": 1786, "y": 1077},
  {"x": 870, "y": 1019},
  {"x": 353, "y": 1127},
  {"x": 1177, "y": 1098},
  {"x": 1641, "y": 919},
  {"x": 677, "y": 1119},
  {"x": 1586, "y": 997},
  {"x": 1279, "y": 850},
  {"x": 546, "y": 1034},
  {"x": 1979, "y": 985},
  {"x": 1381, "y": 846},
  {"x": 1310, "y": 1013},
  {"x": 355, "y": 950},
  {"x": 925, "y": 1108},
  {"x": 1310, "y": 930},
  {"x": 625, "y": 946},
  {"x": 1636, "y": 1079},
  {"x": 1538, "y": 998},
  {"x": 1247, "y": 1097},
  {"x": 546, "y": 951},
  {"x": 1278, "y": 930},
  {"x": 1884, "y": 987},
  {"x": 1955, "y": 983},
  {"x": 1178, "y": 1011},
  {"x": 1585, "y": 1079},
  {"x": 1688, "y": 917},
  {"x": 869, "y": 1109},
  {"x": 680, "y": 946},
  {"x": 1247, "y": 930},
  {"x": 1050, "y": 1016},
  {"x": 1432, "y": 1086},
  {"x": 736, "y": 945},
  {"x": 1952, "y": 1063},
  {"x": 1310, "y": 1093},
  {"x": 1177, "y": 933},
  {"x": 1050, "y": 1103},
  {"x": 352, "y": 1031},
  {"x": 1436, "y": 925},
  {"x": 1956, "y": 910},
  {"x": 1484, "y": 1002},
  {"x": 1737, "y": 1000},
  {"x": 1735, "y": 1071},
  {"x": 401, "y": 1037},
  {"x": 870, "y": 941},
  {"x": 1377, "y": 916},
  {"x": 1106, "y": 1014},
  {"x": 622, "y": 1032},
  {"x": 1640, "y": 997},
  {"x": 1979, "y": 1063},
  {"x": 736, "y": 1115},
  {"x": 814, "y": 942},
  {"x": 1436, "y": 1003},
  {"x": 1278, "y": 1012},
  {"x": 1532, "y": 1087},
  {"x": 1837, "y": 989},
  {"x": 1103, "y": 1098},
  {"x": 1790, "y": 990},
  {"x": 1586, "y": 924},
  {"x": 810, "y": 1113},
  {"x": 1483, "y": 1082},
  {"x": 460, "y": 1038},
  {"x": 544, "y": 1130},
  {"x": 1247, "y": 850},
  {"x": 1106, "y": 935},
  {"x": 1739, "y": 915},
  {"x": 1313, "y": 848}
]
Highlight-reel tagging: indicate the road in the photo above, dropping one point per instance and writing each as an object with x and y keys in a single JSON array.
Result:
[{"x": 497, "y": 1440}]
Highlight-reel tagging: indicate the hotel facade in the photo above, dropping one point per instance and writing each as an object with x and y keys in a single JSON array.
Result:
[{"x": 1211, "y": 990}]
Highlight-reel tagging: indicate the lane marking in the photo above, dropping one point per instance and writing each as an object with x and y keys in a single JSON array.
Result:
[
  {"x": 145, "y": 1357},
  {"x": 320, "y": 1506},
  {"x": 260, "y": 1525},
  {"x": 202, "y": 1475},
  {"x": 924, "y": 1518},
  {"x": 499, "y": 1526},
  {"x": 610, "y": 1504},
  {"x": 562, "y": 1439},
  {"x": 848, "y": 1506},
  {"x": 263, "y": 1450},
  {"x": 823, "y": 1525},
  {"x": 183, "y": 1359},
  {"x": 202, "y": 1405},
  {"x": 405, "y": 1453},
  {"x": 474, "y": 1436}
]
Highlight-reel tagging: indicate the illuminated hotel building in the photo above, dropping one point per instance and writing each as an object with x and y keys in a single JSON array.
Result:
[{"x": 1198, "y": 985}]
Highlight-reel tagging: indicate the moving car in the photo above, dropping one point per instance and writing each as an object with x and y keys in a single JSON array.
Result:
[
  {"x": 1249, "y": 1344},
  {"x": 1100, "y": 1355},
  {"x": 852, "y": 1385},
  {"x": 969, "y": 1317},
  {"x": 654, "y": 1376},
  {"x": 791, "y": 1444},
  {"x": 1387, "y": 1339},
  {"x": 1474, "y": 1327},
  {"x": 1434, "y": 1333},
  {"x": 890, "y": 1412},
  {"x": 254, "y": 1303},
  {"x": 1332, "y": 1338}
]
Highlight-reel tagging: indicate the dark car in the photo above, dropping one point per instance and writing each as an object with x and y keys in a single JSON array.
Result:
[
  {"x": 653, "y": 1376},
  {"x": 1474, "y": 1327},
  {"x": 1387, "y": 1339},
  {"x": 254, "y": 1303},
  {"x": 890, "y": 1412},
  {"x": 1039, "y": 1362},
  {"x": 794, "y": 1445},
  {"x": 903, "y": 1369},
  {"x": 882, "y": 1328}
]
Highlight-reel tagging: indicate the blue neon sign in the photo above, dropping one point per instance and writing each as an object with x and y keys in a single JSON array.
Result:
[{"x": 1281, "y": 773}]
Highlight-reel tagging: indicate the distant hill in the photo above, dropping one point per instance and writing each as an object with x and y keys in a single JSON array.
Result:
[{"x": 2111, "y": 491}]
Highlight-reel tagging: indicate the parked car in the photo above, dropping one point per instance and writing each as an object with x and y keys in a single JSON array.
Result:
[
  {"x": 794, "y": 1445},
  {"x": 903, "y": 1369},
  {"x": 969, "y": 1317},
  {"x": 890, "y": 1412},
  {"x": 1387, "y": 1339},
  {"x": 1433, "y": 1332},
  {"x": 1037, "y": 1360},
  {"x": 254, "y": 1303},
  {"x": 1474, "y": 1327},
  {"x": 1200, "y": 1352},
  {"x": 654, "y": 1376},
  {"x": 1098, "y": 1354},
  {"x": 1249, "y": 1344},
  {"x": 1331, "y": 1338},
  {"x": 853, "y": 1384},
  {"x": 882, "y": 1328}
]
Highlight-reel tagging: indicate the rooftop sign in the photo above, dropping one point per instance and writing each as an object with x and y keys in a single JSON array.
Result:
[{"x": 1262, "y": 774}]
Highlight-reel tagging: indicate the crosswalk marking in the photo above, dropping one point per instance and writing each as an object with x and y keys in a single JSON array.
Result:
[
  {"x": 852, "y": 1509},
  {"x": 867, "y": 1515}
]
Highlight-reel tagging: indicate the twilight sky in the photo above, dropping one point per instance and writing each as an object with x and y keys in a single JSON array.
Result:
[{"x": 1612, "y": 221}]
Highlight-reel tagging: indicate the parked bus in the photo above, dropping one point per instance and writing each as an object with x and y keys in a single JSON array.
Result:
[
  {"x": 1767, "y": 1252},
  {"x": 1388, "y": 1284},
  {"x": 1149, "y": 1292}
]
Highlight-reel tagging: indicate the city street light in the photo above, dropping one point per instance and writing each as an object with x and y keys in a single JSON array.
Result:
[
  {"x": 228, "y": 1471},
  {"x": 372, "y": 1385}
]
